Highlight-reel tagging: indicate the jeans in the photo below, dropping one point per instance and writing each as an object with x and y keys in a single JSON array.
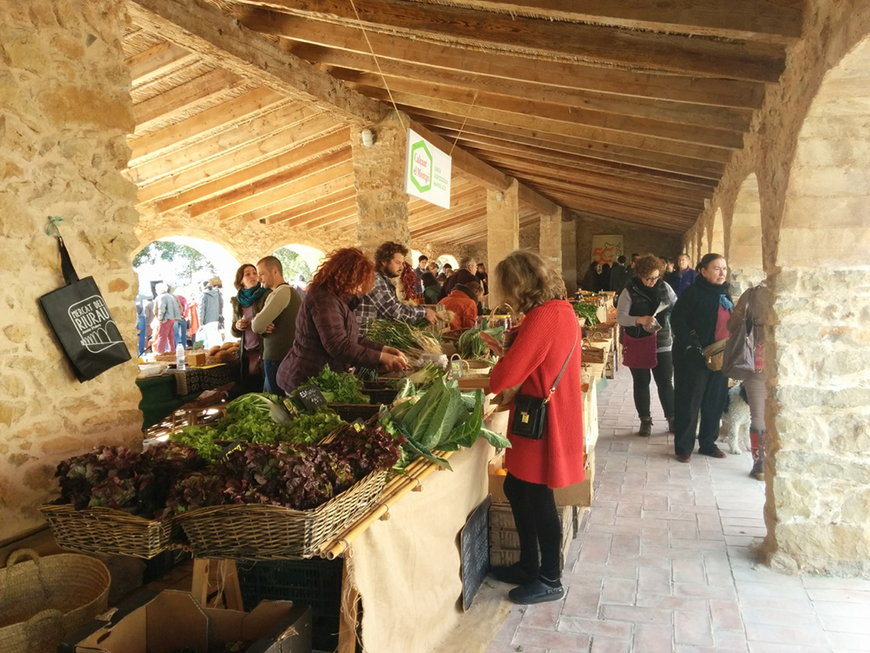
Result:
[
  {"x": 181, "y": 332},
  {"x": 663, "y": 373},
  {"x": 538, "y": 525},
  {"x": 697, "y": 388},
  {"x": 165, "y": 337},
  {"x": 270, "y": 369},
  {"x": 142, "y": 326}
]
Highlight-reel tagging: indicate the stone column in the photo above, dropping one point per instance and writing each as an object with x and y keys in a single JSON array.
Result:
[
  {"x": 379, "y": 177},
  {"x": 502, "y": 231},
  {"x": 551, "y": 239},
  {"x": 569, "y": 255}
]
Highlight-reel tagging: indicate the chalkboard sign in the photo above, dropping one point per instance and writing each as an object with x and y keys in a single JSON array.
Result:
[
  {"x": 474, "y": 540},
  {"x": 235, "y": 445},
  {"x": 310, "y": 396}
]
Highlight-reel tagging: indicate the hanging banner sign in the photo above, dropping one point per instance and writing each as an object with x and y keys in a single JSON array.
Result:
[{"x": 427, "y": 173}]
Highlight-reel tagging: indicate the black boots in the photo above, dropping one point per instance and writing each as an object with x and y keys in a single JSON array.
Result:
[
  {"x": 757, "y": 441},
  {"x": 645, "y": 427}
]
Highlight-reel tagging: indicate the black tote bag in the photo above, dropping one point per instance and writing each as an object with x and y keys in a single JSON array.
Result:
[{"x": 80, "y": 319}]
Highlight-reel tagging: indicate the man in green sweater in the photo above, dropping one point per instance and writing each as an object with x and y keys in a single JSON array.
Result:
[{"x": 277, "y": 321}]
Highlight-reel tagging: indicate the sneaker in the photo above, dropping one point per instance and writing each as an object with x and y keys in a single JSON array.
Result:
[
  {"x": 536, "y": 592},
  {"x": 645, "y": 427},
  {"x": 512, "y": 575}
]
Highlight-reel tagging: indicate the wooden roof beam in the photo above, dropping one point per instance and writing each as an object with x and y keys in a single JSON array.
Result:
[
  {"x": 203, "y": 28},
  {"x": 339, "y": 203},
  {"x": 764, "y": 20},
  {"x": 158, "y": 61},
  {"x": 339, "y": 45},
  {"x": 674, "y": 53}
]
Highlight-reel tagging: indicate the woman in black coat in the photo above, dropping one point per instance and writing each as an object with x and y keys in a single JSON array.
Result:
[{"x": 699, "y": 319}]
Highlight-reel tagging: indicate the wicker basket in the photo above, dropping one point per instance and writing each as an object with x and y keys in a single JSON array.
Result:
[
  {"x": 108, "y": 531},
  {"x": 260, "y": 532},
  {"x": 43, "y": 600}
]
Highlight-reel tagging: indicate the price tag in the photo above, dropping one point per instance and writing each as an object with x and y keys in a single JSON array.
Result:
[
  {"x": 310, "y": 396},
  {"x": 224, "y": 455},
  {"x": 358, "y": 425}
]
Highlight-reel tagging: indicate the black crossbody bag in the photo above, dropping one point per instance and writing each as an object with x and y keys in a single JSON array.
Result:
[{"x": 530, "y": 413}]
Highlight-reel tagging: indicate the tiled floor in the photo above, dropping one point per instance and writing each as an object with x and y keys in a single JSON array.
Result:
[{"x": 663, "y": 563}]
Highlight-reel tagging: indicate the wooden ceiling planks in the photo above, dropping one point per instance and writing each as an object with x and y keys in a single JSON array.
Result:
[{"x": 624, "y": 110}]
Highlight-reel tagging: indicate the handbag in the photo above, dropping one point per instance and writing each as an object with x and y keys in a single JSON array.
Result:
[
  {"x": 80, "y": 319},
  {"x": 739, "y": 361},
  {"x": 713, "y": 354},
  {"x": 639, "y": 353},
  {"x": 530, "y": 413}
]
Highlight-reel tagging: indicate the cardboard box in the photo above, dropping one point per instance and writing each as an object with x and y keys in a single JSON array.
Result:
[
  {"x": 163, "y": 622},
  {"x": 579, "y": 494}
]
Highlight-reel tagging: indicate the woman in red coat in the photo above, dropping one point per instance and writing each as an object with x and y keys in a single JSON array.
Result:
[{"x": 535, "y": 467}]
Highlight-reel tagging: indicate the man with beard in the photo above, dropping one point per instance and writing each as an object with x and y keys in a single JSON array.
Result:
[{"x": 382, "y": 302}]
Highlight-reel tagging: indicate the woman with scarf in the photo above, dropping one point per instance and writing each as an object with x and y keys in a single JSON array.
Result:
[
  {"x": 699, "y": 319},
  {"x": 643, "y": 310},
  {"x": 246, "y": 304}
]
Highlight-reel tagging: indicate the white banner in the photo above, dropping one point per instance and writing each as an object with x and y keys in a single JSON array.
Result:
[{"x": 427, "y": 173}]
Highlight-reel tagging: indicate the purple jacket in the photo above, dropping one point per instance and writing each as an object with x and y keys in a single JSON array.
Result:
[
  {"x": 327, "y": 333},
  {"x": 680, "y": 282}
]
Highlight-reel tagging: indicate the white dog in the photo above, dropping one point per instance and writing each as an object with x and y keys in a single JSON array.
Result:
[{"x": 734, "y": 429}]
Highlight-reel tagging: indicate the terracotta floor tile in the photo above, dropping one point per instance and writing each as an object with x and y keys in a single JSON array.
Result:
[{"x": 693, "y": 628}]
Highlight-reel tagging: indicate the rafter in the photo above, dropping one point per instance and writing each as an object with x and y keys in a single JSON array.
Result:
[
  {"x": 182, "y": 98},
  {"x": 158, "y": 61}
]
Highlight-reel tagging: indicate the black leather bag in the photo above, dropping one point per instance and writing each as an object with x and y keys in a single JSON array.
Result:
[{"x": 530, "y": 413}]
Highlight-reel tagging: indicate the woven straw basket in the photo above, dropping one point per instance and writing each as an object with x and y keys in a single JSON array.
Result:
[
  {"x": 262, "y": 532},
  {"x": 42, "y": 600},
  {"x": 108, "y": 531}
]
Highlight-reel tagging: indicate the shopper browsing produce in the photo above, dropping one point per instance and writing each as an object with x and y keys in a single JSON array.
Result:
[
  {"x": 327, "y": 332},
  {"x": 277, "y": 321},
  {"x": 462, "y": 302}
]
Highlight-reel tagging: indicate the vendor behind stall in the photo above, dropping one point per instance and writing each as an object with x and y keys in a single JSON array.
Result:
[
  {"x": 381, "y": 301},
  {"x": 327, "y": 332},
  {"x": 463, "y": 302}
]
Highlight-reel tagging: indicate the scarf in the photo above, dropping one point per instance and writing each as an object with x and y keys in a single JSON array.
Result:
[
  {"x": 247, "y": 296},
  {"x": 718, "y": 289},
  {"x": 651, "y": 293}
]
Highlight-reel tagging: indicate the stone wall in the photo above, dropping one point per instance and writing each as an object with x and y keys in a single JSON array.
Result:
[
  {"x": 814, "y": 241},
  {"x": 65, "y": 110}
]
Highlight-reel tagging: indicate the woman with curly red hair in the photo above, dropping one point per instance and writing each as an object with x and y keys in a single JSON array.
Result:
[{"x": 327, "y": 332}]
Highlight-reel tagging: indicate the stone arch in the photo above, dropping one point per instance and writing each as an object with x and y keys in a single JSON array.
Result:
[
  {"x": 311, "y": 255},
  {"x": 703, "y": 244},
  {"x": 717, "y": 234},
  {"x": 819, "y": 416},
  {"x": 224, "y": 260},
  {"x": 449, "y": 258},
  {"x": 744, "y": 249}
]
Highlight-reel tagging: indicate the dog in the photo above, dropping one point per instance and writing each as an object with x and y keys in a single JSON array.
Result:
[{"x": 734, "y": 428}]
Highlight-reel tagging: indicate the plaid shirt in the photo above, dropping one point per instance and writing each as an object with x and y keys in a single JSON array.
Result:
[{"x": 382, "y": 303}]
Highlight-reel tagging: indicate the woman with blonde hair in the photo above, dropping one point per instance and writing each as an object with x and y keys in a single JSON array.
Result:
[{"x": 544, "y": 354}]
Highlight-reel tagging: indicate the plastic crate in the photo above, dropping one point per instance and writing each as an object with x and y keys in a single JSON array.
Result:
[{"x": 315, "y": 582}]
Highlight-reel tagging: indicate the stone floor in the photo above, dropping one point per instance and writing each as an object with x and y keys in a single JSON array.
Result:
[{"x": 663, "y": 562}]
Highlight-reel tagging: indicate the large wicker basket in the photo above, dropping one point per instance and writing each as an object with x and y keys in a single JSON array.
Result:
[
  {"x": 260, "y": 532},
  {"x": 108, "y": 531},
  {"x": 42, "y": 600}
]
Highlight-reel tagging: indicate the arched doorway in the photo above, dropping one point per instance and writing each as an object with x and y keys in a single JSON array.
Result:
[
  {"x": 744, "y": 251},
  {"x": 818, "y": 509},
  {"x": 311, "y": 257}
]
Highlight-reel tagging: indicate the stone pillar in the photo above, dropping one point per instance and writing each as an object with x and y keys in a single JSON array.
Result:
[
  {"x": 502, "y": 231},
  {"x": 66, "y": 114},
  {"x": 569, "y": 255},
  {"x": 551, "y": 239},
  {"x": 379, "y": 177}
]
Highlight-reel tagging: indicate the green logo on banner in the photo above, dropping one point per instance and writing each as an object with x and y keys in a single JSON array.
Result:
[{"x": 421, "y": 167}]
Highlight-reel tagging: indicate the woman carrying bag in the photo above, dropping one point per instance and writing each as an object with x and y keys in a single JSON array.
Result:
[
  {"x": 246, "y": 304},
  {"x": 700, "y": 319},
  {"x": 544, "y": 354},
  {"x": 643, "y": 310}
]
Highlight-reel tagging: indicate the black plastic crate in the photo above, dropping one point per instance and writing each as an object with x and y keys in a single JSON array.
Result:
[{"x": 315, "y": 582}]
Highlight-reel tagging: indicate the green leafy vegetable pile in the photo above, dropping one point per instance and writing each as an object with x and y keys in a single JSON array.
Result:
[
  {"x": 405, "y": 337},
  {"x": 442, "y": 419},
  {"x": 115, "y": 477},
  {"x": 338, "y": 387},
  {"x": 263, "y": 419},
  {"x": 295, "y": 476},
  {"x": 589, "y": 311},
  {"x": 472, "y": 347}
]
